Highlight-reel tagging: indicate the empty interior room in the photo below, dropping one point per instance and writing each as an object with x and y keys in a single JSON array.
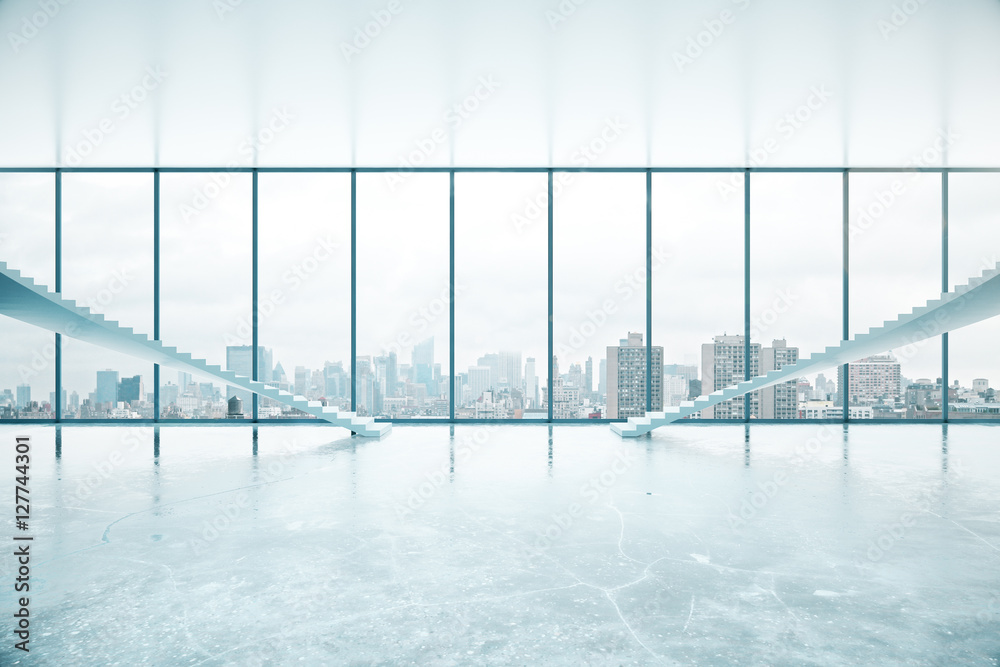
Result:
[{"x": 544, "y": 332}]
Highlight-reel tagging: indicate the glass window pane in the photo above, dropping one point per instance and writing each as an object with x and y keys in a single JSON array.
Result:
[
  {"x": 501, "y": 295},
  {"x": 599, "y": 296},
  {"x": 107, "y": 266},
  {"x": 304, "y": 228},
  {"x": 27, "y": 244},
  {"x": 698, "y": 230},
  {"x": 403, "y": 279},
  {"x": 796, "y": 287},
  {"x": 973, "y": 247},
  {"x": 895, "y": 266},
  {"x": 205, "y": 286}
]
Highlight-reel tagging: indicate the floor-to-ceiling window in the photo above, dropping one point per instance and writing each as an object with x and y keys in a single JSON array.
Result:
[
  {"x": 698, "y": 286},
  {"x": 403, "y": 293},
  {"x": 27, "y": 244},
  {"x": 501, "y": 296},
  {"x": 107, "y": 266},
  {"x": 304, "y": 301},
  {"x": 206, "y": 288},
  {"x": 895, "y": 265},
  {"x": 973, "y": 247},
  {"x": 599, "y": 295},
  {"x": 796, "y": 287}
]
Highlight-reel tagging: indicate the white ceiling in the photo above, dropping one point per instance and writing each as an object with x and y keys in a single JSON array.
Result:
[{"x": 899, "y": 74}]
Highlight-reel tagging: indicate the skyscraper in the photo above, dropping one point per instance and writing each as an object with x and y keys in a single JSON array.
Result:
[
  {"x": 107, "y": 387},
  {"x": 23, "y": 396},
  {"x": 130, "y": 389},
  {"x": 627, "y": 378},
  {"x": 531, "y": 382},
  {"x": 510, "y": 370},
  {"x": 723, "y": 364},
  {"x": 602, "y": 379},
  {"x": 588, "y": 378},
  {"x": 301, "y": 381},
  {"x": 239, "y": 359},
  {"x": 423, "y": 363},
  {"x": 480, "y": 380}
]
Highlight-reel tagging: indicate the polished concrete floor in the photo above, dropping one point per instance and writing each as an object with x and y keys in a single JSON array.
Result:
[{"x": 509, "y": 545}]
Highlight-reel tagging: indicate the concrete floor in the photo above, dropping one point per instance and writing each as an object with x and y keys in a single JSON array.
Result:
[{"x": 510, "y": 545}]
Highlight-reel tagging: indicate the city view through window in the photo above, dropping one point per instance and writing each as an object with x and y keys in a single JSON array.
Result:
[{"x": 489, "y": 282}]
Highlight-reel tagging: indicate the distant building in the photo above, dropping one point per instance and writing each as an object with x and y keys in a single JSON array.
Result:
[
  {"x": 626, "y": 378},
  {"x": 23, "y": 396},
  {"x": 130, "y": 389},
  {"x": 723, "y": 364},
  {"x": 107, "y": 388},
  {"x": 980, "y": 385},
  {"x": 872, "y": 381},
  {"x": 782, "y": 400},
  {"x": 531, "y": 383}
]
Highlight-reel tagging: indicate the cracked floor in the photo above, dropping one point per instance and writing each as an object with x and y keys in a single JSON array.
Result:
[{"x": 699, "y": 545}]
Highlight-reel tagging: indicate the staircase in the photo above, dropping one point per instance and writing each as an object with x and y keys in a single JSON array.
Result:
[
  {"x": 977, "y": 300},
  {"x": 23, "y": 299}
]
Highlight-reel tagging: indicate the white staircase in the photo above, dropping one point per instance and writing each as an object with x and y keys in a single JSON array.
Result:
[
  {"x": 972, "y": 302},
  {"x": 23, "y": 299}
]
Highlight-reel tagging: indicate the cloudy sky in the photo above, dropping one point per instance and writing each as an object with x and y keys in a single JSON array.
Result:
[{"x": 518, "y": 84}]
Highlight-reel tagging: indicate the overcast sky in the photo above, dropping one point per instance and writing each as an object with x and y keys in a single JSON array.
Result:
[{"x": 513, "y": 84}]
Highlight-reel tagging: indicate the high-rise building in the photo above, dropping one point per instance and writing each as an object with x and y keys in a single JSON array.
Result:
[
  {"x": 980, "y": 385},
  {"x": 130, "y": 389},
  {"x": 392, "y": 375},
  {"x": 183, "y": 380},
  {"x": 107, "y": 387},
  {"x": 239, "y": 359},
  {"x": 602, "y": 379},
  {"x": 531, "y": 382},
  {"x": 780, "y": 401},
  {"x": 23, "y": 396},
  {"x": 627, "y": 378},
  {"x": 509, "y": 376},
  {"x": 480, "y": 380},
  {"x": 873, "y": 380},
  {"x": 588, "y": 379},
  {"x": 723, "y": 364},
  {"x": 301, "y": 381},
  {"x": 335, "y": 380},
  {"x": 423, "y": 363},
  {"x": 575, "y": 376}
]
